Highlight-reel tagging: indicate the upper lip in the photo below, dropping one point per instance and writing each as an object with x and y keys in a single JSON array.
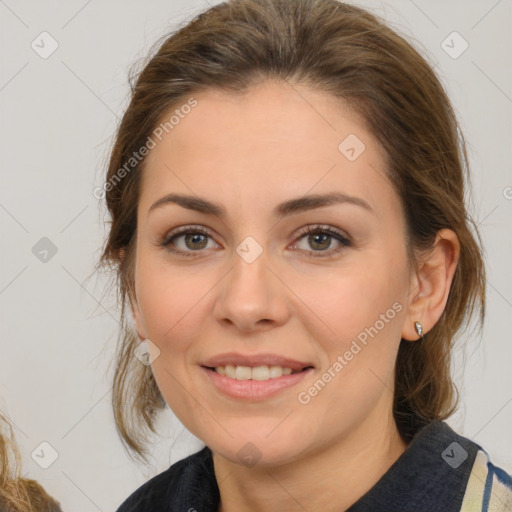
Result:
[{"x": 235, "y": 359}]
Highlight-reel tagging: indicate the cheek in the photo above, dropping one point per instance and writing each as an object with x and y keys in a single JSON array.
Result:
[
  {"x": 363, "y": 311},
  {"x": 170, "y": 300},
  {"x": 348, "y": 301},
  {"x": 171, "y": 303}
]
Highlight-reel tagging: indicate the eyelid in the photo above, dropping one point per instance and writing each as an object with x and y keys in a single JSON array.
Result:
[
  {"x": 183, "y": 230},
  {"x": 341, "y": 237},
  {"x": 323, "y": 228},
  {"x": 331, "y": 231}
]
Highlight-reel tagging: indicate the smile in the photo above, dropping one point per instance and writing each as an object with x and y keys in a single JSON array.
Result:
[
  {"x": 254, "y": 373},
  {"x": 253, "y": 383}
]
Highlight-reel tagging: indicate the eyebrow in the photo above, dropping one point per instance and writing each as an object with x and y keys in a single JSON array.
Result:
[{"x": 289, "y": 207}]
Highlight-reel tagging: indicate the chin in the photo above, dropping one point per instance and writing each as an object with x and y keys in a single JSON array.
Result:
[
  {"x": 250, "y": 447},
  {"x": 256, "y": 455}
]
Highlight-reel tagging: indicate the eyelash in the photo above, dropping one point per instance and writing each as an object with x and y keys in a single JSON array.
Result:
[{"x": 309, "y": 230}]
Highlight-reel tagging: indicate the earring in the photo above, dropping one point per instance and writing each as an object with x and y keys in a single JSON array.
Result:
[{"x": 419, "y": 329}]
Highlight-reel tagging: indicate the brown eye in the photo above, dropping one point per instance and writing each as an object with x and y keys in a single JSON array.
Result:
[
  {"x": 319, "y": 239},
  {"x": 187, "y": 241},
  {"x": 195, "y": 241}
]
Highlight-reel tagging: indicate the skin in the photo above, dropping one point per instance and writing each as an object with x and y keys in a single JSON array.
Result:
[{"x": 249, "y": 153}]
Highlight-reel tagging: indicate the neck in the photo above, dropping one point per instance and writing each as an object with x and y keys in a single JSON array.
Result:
[{"x": 330, "y": 479}]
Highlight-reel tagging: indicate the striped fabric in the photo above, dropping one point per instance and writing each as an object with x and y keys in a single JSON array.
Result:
[{"x": 489, "y": 488}]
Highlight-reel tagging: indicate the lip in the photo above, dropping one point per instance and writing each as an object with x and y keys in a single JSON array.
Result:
[
  {"x": 253, "y": 390},
  {"x": 265, "y": 359}
]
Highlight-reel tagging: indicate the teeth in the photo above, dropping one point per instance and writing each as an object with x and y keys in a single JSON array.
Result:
[
  {"x": 242, "y": 373},
  {"x": 252, "y": 373}
]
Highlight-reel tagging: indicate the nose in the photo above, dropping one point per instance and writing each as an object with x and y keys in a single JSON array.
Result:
[{"x": 252, "y": 297}]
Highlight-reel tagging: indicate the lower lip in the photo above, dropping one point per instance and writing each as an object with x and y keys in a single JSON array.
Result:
[{"x": 254, "y": 389}]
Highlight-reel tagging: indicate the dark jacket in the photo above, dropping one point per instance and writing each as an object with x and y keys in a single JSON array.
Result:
[{"x": 438, "y": 471}]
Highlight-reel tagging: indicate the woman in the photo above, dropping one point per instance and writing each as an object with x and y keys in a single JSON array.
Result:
[
  {"x": 289, "y": 233},
  {"x": 19, "y": 494}
]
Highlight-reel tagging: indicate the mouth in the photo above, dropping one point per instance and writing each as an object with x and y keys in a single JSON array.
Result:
[
  {"x": 254, "y": 383},
  {"x": 254, "y": 377},
  {"x": 258, "y": 373}
]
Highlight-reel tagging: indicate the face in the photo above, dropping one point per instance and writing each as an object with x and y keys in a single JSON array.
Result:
[{"x": 287, "y": 253}]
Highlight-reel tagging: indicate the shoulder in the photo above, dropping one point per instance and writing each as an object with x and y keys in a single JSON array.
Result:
[
  {"x": 489, "y": 487},
  {"x": 486, "y": 487},
  {"x": 171, "y": 489},
  {"x": 440, "y": 470},
  {"x": 152, "y": 492}
]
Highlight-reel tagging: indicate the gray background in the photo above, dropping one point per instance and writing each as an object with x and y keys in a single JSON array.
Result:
[{"x": 58, "y": 330}]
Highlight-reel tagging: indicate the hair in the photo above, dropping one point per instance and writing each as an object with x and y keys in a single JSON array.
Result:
[
  {"x": 18, "y": 494},
  {"x": 352, "y": 55}
]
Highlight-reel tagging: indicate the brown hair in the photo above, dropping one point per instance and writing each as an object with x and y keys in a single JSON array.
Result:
[
  {"x": 18, "y": 494},
  {"x": 346, "y": 52}
]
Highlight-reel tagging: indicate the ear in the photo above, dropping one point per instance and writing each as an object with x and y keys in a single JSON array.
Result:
[
  {"x": 138, "y": 324},
  {"x": 430, "y": 284}
]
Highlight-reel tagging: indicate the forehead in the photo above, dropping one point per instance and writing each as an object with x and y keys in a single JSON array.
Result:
[{"x": 274, "y": 140}]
